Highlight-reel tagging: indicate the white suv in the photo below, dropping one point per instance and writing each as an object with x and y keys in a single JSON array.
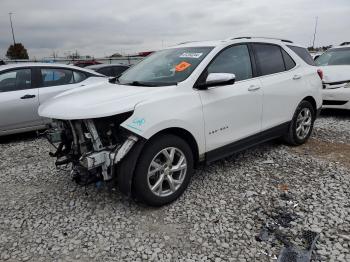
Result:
[
  {"x": 335, "y": 63},
  {"x": 197, "y": 101}
]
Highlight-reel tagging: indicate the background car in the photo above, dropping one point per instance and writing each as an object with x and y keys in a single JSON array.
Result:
[
  {"x": 109, "y": 69},
  {"x": 23, "y": 87},
  {"x": 86, "y": 63},
  {"x": 335, "y": 64}
]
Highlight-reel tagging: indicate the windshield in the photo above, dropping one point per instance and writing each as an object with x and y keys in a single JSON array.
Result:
[
  {"x": 339, "y": 56},
  {"x": 165, "y": 67}
]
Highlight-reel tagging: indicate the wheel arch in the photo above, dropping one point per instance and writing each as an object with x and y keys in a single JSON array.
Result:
[
  {"x": 126, "y": 168},
  {"x": 312, "y": 101},
  {"x": 185, "y": 135}
]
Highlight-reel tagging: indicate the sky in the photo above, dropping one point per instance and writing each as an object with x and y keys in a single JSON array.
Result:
[{"x": 103, "y": 27}]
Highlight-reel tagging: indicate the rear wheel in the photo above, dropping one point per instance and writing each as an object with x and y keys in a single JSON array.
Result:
[
  {"x": 302, "y": 124},
  {"x": 164, "y": 170}
]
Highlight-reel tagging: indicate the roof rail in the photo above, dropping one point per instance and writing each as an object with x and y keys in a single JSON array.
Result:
[{"x": 251, "y": 37}]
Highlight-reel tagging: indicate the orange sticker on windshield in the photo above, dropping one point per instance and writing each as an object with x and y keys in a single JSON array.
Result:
[{"x": 182, "y": 66}]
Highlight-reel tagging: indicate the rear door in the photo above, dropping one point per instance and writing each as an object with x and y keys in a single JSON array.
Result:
[
  {"x": 282, "y": 81},
  {"x": 19, "y": 100},
  {"x": 53, "y": 81}
]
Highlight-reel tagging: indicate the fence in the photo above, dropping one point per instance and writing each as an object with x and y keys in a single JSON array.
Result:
[{"x": 128, "y": 60}]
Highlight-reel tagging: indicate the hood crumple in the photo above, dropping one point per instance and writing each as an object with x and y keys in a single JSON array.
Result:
[{"x": 96, "y": 100}]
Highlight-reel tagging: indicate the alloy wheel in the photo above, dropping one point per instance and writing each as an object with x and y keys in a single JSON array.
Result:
[
  {"x": 304, "y": 122},
  {"x": 167, "y": 171}
]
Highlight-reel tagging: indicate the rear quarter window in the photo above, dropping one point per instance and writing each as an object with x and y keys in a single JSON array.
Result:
[{"x": 303, "y": 54}]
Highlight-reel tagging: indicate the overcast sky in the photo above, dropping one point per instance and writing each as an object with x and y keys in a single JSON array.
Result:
[{"x": 104, "y": 27}]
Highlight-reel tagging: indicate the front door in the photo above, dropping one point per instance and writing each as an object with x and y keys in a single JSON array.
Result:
[
  {"x": 232, "y": 112},
  {"x": 19, "y": 101}
]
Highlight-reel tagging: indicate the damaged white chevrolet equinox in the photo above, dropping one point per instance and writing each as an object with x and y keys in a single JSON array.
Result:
[{"x": 194, "y": 102}]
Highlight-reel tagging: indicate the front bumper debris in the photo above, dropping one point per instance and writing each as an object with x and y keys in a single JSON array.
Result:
[{"x": 93, "y": 152}]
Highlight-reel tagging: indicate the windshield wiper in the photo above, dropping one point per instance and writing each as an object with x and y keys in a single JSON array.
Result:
[{"x": 139, "y": 83}]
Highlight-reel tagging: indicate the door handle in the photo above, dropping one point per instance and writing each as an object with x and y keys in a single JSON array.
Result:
[
  {"x": 253, "y": 88},
  {"x": 27, "y": 96},
  {"x": 296, "y": 77}
]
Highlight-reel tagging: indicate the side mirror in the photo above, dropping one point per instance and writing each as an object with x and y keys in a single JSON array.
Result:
[
  {"x": 218, "y": 79},
  {"x": 316, "y": 56}
]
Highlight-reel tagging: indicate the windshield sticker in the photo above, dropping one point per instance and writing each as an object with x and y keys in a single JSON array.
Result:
[
  {"x": 182, "y": 66},
  {"x": 191, "y": 55}
]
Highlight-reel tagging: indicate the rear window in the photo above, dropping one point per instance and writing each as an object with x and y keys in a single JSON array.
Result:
[{"x": 303, "y": 54}]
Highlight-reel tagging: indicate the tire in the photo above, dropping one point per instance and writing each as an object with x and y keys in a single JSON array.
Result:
[
  {"x": 297, "y": 136},
  {"x": 156, "y": 170}
]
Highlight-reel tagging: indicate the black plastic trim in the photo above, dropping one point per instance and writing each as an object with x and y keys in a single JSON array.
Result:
[
  {"x": 246, "y": 143},
  {"x": 334, "y": 102},
  {"x": 337, "y": 83}
]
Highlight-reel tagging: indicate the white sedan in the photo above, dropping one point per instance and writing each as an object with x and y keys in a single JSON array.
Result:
[
  {"x": 24, "y": 86},
  {"x": 335, "y": 64}
]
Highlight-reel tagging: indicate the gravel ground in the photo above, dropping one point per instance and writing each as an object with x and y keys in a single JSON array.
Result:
[{"x": 44, "y": 216}]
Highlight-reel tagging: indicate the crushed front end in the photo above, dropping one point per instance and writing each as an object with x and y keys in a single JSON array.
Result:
[{"x": 93, "y": 147}]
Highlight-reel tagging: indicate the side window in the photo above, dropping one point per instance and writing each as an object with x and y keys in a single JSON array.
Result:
[
  {"x": 15, "y": 80},
  {"x": 269, "y": 58},
  {"x": 79, "y": 76},
  {"x": 234, "y": 60},
  {"x": 105, "y": 71},
  {"x": 117, "y": 70},
  {"x": 288, "y": 61},
  {"x": 56, "y": 77},
  {"x": 303, "y": 54}
]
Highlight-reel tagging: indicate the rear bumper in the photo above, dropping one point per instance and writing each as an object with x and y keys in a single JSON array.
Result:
[{"x": 336, "y": 98}]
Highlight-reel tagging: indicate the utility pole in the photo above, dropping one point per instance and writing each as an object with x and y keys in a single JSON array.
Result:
[
  {"x": 13, "y": 34},
  {"x": 313, "y": 42}
]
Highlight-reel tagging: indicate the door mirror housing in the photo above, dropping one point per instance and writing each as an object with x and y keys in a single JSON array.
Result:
[{"x": 218, "y": 79}]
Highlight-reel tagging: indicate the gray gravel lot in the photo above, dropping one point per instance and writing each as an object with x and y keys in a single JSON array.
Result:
[{"x": 44, "y": 216}]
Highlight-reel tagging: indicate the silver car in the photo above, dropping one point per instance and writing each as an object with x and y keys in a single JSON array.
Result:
[{"x": 24, "y": 86}]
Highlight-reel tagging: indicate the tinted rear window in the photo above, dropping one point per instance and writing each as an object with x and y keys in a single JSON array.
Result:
[
  {"x": 303, "y": 54},
  {"x": 269, "y": 58}
]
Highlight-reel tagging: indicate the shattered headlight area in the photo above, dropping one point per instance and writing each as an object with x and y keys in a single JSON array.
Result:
[{"x": 92, "y": 146}]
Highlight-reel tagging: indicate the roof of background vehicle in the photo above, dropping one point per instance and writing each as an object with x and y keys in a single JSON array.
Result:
[
  {"x": 105, "y": 65},
  {"x": 26, "y": 64},
  {"x": 234, "y": 40},
  {"x": 339, "y": 47}
]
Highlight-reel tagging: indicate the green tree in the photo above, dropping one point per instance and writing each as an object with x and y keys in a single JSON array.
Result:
[{"x": 17, "y": 51}]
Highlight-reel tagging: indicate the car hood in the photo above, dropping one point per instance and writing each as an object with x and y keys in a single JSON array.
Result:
[
  {"x": 96, "y": 100},
  {"x": 336, "y": 73}
]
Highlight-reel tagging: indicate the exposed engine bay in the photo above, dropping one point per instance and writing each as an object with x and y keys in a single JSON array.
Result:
[{"x": 93, "y": 147}]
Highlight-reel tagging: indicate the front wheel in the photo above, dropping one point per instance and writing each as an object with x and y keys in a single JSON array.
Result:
[
  {"x": 164, "y": 170},
  {"x": 301, "y": 125}
]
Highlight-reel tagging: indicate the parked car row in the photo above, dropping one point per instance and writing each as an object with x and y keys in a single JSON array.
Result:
[{"x": 194, "y": 102}]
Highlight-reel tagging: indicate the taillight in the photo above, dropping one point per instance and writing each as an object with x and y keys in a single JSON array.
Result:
[{"x": 320, "y": 73}]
